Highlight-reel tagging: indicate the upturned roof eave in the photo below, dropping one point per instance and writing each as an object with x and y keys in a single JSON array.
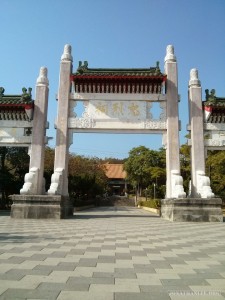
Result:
[{"x": 218, "y": 102}]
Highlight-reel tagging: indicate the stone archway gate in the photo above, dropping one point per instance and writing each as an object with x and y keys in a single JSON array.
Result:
[
  {"x": 115, "y": 100},
  {"x": 118, "y": 101}
]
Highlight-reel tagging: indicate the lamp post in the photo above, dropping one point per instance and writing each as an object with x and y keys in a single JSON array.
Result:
[{"x": 154, "y": 190}]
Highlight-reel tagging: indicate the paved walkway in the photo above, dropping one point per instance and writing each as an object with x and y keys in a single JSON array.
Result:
[{"x": 111, "y": 254}]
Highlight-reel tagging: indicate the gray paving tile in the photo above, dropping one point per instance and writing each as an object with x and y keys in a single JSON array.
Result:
[
  {"x": 216, "y": 269},
  {"x": 160, "y": 264},
  {"x": 154, "y": 289},
  {"x": 93, "y": 249},
  {"x": 106, "y": 260},
  {"x": 123, "y": 256},
  {"x": 201, "y": 275},
  {"x": 144, "y": 270},
  {"x": 125, "y": 273},
  {"x": 184, "y": 282},
  {"x": 77, "y": 251},
  {"x": 53, "y": 246},
  {"x": 11, "y": 276},
  {"x": 12, "y": 294},
  {"x": 13, "y": 260},
  {"x": 103, "y": 274},
  {"x": 90, "y": 280},
  {"x": 66, "y": 266},
  {"x": 58, "y": 254},
  {"x": 34, "y": 271},
  {"x": 87, "y": 262},
  {"x": 77, "y": 287},
  {"x": 38, "y": 257},
  {"x": 51, "y": 286},
  {"x": 137, "y": 253},
  {"x": 141, "y": 296}
]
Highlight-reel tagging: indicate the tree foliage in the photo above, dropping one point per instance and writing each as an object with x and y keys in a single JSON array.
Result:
[
  {"x": 185, "y": 165},
  {"x": 14, "y": 164},
  {"x": 146, "y": 168},
  {"x": 215, "y": 167},
  {"x": 87, "y": 178}
]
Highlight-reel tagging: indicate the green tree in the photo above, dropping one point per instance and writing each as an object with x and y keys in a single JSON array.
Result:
[
  {"x": 14, "y": 164},
  {"x": 87, "y": 178},
  {"x": 185, "y": 165},
  {"x": 215, "y": 167},
  {"x": 48, "y": 166},
  {"x": 146, "y": 168}
]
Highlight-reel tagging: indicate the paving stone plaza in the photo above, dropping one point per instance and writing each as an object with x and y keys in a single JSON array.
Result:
[{"x": 112, "y": 253}]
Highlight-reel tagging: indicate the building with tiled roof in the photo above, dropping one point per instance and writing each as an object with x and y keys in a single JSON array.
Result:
[{"x": 116, "y": 178}]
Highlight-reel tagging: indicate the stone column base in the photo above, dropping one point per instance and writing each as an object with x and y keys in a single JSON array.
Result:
[
  {"x": 41, "y": 207},
  {"x": 192, "y": 210}
]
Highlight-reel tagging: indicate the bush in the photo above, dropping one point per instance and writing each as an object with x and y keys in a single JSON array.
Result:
[{"x": 152, "y": 203}]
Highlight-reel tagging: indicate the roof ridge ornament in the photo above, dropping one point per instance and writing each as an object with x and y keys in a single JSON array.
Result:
[
  {"x": 157, "y": 68},
  {"x": 67, "y": 53},
  {"x": 82, "y": 68},
  {"x": 194, "y": 80},
  {"x": 43, "y": 77},
  {"x": 26, "y": 97},
  {"x": 2, "y": 90},
  {"x": 170, "y": 57},
  {"x": 210, "y": 97}
]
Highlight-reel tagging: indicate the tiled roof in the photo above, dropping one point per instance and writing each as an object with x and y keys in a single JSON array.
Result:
[
  {"x": 16, "y": 107},
  {"x": 114, "y": 171},
  {"x": 114, "y": 81},
  {"x": 214, "y": 107},
  {"x": 212, "y": 100},
  {"x": 24, "y": 98},
  {"x": 83, "y": 70}
]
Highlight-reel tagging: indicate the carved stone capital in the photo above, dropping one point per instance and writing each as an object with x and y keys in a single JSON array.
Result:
[
  {"x": 42, "y": 78},
  {"x": 194, "y": 81},
  {"x": 170, "y": 57},
  {"x": 67, "y": 53}
]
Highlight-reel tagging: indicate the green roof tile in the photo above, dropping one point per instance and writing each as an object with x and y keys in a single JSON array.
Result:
[
  {"x": 85, "y": 71},
  {"x": 212, "y": 100},
  {"x": 24, "y": 98}
]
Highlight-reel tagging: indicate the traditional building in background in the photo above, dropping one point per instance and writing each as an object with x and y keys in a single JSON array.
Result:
[{"x": 117, "y": 184}]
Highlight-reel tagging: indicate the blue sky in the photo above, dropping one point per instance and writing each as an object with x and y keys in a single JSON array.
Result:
[{"x": 111, "y": 34}]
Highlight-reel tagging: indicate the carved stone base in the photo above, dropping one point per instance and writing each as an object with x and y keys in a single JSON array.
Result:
[
  {"x": 41, "y": 207},
  {"x": 192, "y": 210}
]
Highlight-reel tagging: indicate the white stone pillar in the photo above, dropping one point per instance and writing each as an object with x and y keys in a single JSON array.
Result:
[
  {"x": 59, "y": 181},
  {"x": 174, "y": 184},
  {"x": 34, "y": 182},
  {"x": 200, "y": 184}
]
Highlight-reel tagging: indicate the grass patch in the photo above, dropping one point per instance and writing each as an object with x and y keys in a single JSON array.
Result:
[{"x": 152, "y": 203}]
